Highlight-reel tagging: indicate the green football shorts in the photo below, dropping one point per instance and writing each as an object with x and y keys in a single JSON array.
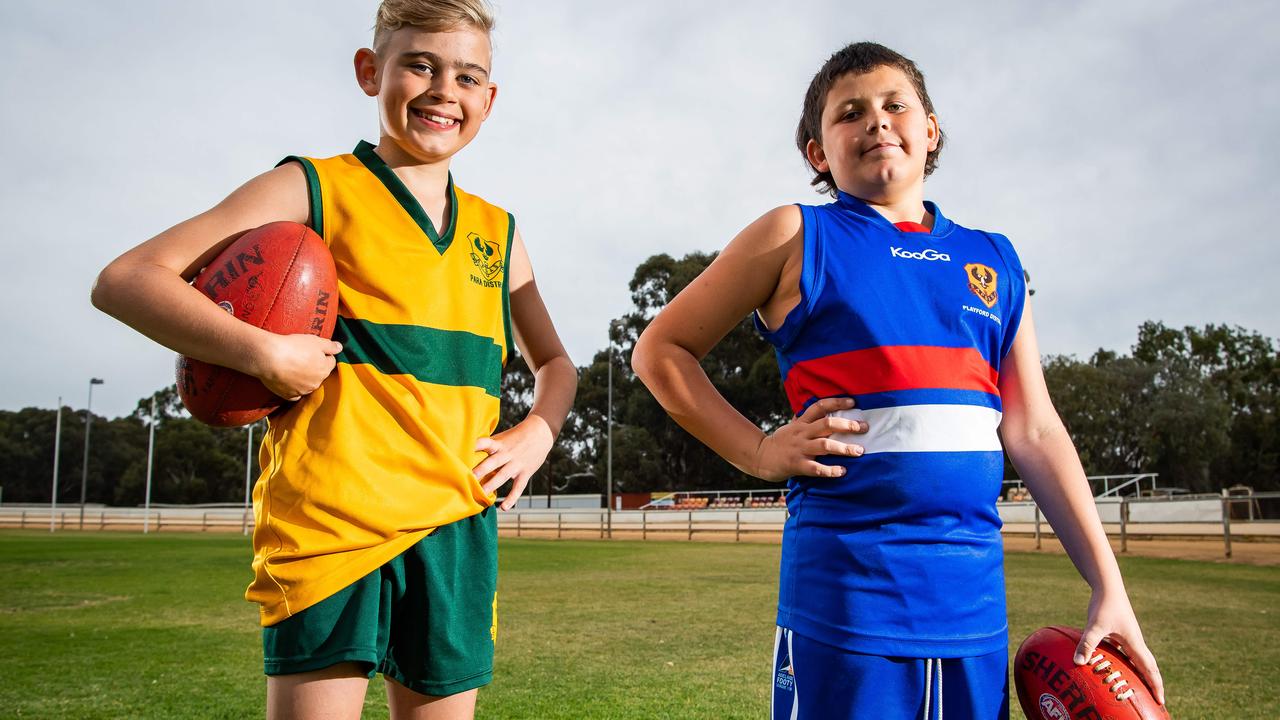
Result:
[{"x": 427, "y": 619}]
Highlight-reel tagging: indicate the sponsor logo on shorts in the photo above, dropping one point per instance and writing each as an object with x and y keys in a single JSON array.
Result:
[
  {"x": 784, "y": 676},
  {"x": 785, "y": 679},
  {"x": 486, "y": 256},
  {"x": 1051, "y": 708},
  {"x": 493, "y": 628},
  {"x": 927, "y": 254},
  {"x": 982, "y": 282}
]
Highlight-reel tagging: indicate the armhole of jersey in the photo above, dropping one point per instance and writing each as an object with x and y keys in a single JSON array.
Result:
[
  {"x": 1017, "y": 289},
  {"x": 811, "y": 282},
  {"x": 506, "y": 288},
  {"x": 316, "y": 208},
  {"x": 812, "y": 273}
]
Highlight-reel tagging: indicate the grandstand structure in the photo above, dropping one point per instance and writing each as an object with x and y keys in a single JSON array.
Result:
[{"x": 718, "y": 500}]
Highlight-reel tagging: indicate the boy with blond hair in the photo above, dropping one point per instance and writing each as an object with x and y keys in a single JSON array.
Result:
[
  {"x": 375, "y": 545},
  {"x": 908, "y": 354}
]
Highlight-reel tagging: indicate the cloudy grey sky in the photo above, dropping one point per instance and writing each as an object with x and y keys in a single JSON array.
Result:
[{"x": 1128, "y": 149}]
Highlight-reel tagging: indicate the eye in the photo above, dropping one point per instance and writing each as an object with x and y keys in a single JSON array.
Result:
[
  {"x": 468, "y": 80},
  {"x": 420, "y": 67},
  {"x": 852, "y": 115},
  {"x": 895, "y": 107}
]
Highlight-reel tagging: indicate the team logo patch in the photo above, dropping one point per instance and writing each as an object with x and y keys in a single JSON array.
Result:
[
  {"x": 493, "y": 629},
  {"x": 486, "y": 255},
  {"x": 982, "y": 281},
  {"x": 1051, "y": 708},
  {"x": 226, "y": 305}
]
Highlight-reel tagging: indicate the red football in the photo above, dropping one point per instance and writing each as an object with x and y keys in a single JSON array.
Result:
[
  {"x": 1052, "y": 687},
  {"x": 279, "y": 277}
]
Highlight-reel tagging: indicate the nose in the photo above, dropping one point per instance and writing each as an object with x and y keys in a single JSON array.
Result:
[
  {"x": 442, "y": 87},
  {"x": 877, "y": 121}
]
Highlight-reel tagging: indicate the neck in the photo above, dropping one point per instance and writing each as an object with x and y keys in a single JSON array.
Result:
[
  {"x": 422, "y": 178},
  {"x": 901, "y": 206}
]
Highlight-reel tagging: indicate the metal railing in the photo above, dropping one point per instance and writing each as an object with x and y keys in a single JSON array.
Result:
[
  {"x": 1255, "y": 515},
  {"x": 644, "y": 523}
]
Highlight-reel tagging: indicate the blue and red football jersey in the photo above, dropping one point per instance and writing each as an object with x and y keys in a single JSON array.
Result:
[{"x": 902, "y": 555}]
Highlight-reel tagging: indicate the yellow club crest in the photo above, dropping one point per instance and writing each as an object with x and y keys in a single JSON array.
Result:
[{"x": 982, "y": 281}]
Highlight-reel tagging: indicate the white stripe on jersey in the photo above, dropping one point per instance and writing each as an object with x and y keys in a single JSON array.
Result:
[{"x": 924, "y": 428}]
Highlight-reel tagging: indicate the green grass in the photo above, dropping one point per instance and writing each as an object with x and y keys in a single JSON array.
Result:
[{"x": 124, "y": 626}]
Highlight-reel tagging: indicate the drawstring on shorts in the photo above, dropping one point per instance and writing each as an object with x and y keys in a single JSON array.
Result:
[{"x": 928, "y": 686}]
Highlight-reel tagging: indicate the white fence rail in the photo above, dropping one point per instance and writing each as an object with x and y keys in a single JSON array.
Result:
[{"x": 1253, "y": 516}]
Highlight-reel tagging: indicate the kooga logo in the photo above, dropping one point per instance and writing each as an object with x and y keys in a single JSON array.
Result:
[{"x": 929, "y": 254}]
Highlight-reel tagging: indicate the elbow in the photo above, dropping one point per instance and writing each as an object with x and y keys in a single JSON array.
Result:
[
  {"x": 104, "y": 290},
  {"x": 642, "y": 359},
  {"x": 1019, "y": 439}
]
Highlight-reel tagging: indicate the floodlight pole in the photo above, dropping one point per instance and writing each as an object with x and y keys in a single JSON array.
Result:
[
  {"x": 248, "y": 470},
  {"x": 84, "y": 470},
  {"x": 609, "y": 445},
  {"x": 151, "y": 444},
  {"x": 57, "y": 446}
]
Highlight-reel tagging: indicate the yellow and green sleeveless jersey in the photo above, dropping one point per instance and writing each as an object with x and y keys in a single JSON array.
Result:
[{"x": 381, "y": 453}]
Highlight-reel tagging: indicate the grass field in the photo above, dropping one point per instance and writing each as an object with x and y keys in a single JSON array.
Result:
[{"x": 125, "y": 626}]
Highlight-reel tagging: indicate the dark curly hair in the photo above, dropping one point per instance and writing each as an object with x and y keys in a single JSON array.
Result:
[{"x": 857, "y": 58}]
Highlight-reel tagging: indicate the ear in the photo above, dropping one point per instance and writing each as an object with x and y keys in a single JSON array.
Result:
[
  {"x": 491, "y": 93},
  {"x": 817, "y": 158},
  {"x": 934, "y": 131},
  {"x": 366, "y": 64}
]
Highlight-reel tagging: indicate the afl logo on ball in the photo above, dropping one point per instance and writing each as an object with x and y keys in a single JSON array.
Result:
[
  {"x": 1051, "y": 708},
  {"x": 226, "y": 305}
]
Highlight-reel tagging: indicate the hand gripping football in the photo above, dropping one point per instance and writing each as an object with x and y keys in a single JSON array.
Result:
[
  {"x": 1052, "y": 687},
  {"x": 279, "y": 277}
]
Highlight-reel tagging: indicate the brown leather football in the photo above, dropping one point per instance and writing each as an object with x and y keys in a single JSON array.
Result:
[
  {"x": 1052, "y": 687},
  {"x": 279, "y": 277}
]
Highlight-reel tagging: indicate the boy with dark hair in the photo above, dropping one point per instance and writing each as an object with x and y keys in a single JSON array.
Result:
[
  {"x": 908, "y": 354},
  {"x": 375, "y": 544}
]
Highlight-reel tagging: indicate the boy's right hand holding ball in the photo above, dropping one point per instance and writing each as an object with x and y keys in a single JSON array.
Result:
[
  {"x": 791, "y": 449},
  {"x": 294, "y": 365}
]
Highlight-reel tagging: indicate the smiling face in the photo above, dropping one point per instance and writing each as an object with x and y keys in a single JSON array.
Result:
[
  {"x": 876, "y": 135},
  {"x": 433, "y": 88}
]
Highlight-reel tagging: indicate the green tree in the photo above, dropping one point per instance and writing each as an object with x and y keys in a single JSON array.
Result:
[
  {"x": 562, "y": 462},
  {"x": 651, "y": 452},
  {"x": 1102, "y": 403}
]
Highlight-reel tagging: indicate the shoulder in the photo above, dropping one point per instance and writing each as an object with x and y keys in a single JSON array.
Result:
[
  {"x": 778, "y": 228},
  {"x": 999, "y": 242},
  {"x": 475, "y": 201}
]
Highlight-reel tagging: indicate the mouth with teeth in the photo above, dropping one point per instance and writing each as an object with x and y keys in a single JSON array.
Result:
[{"x": 432, "y": 120}]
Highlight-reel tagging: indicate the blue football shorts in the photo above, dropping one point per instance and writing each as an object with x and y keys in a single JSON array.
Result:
[{"x": 816, "y": 681}]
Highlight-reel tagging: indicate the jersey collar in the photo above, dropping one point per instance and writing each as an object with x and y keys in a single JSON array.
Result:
[
  {"x": 376, "y": 165},
  {"x": 941, "y": 225}
]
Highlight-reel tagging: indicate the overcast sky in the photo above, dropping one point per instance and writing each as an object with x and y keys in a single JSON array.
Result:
[{"x": 1129, "y": 149}]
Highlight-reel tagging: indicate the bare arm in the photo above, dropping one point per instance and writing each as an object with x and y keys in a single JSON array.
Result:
[
  {"x": 147, "y": 288},
  {"x": 1046, "y": 459},
  {"x": 745, "y": 276},
  {"x": 517, "y": 453}
]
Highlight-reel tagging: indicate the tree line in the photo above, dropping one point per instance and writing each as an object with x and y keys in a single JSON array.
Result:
[{"x": 1199, "y": 406}]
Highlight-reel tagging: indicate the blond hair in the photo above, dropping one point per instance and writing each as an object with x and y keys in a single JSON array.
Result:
[{"x": 430, "y": 15}]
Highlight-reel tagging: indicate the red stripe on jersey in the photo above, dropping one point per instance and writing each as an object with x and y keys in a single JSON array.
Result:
[{"x": 889, "y": 368}]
